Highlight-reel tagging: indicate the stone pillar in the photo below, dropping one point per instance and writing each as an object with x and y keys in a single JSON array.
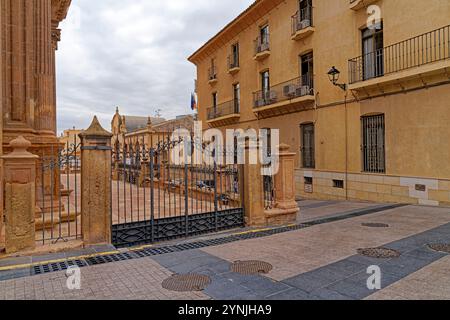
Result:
[
  {"x": 2, "y": 239},
  {"x": 253, "y": 192},
  {"x": 286, "y": 208},
  {"x": 20, "y": 196},
  {"x": 96, "y": 184}
]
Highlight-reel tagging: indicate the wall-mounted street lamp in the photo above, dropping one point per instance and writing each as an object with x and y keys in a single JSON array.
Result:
[{"x": 333, "y": 75}]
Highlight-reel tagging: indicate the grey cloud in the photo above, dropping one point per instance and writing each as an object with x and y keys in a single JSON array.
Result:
[{"x": 133, "y": 54}]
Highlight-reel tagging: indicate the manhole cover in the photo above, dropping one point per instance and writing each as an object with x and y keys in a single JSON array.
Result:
[
  {"x": 440, "y": 247},
  {"x": 186, "y": 283},
  {"x": 375, "y": 225},
  {"x": 379, "y": 253},
  {"x": 251, "y": 267}
]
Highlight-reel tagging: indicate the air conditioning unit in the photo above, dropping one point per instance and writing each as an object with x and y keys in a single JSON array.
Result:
[
  {"x": 305, "y": 23},
  {"x": 289, "y": 90}
]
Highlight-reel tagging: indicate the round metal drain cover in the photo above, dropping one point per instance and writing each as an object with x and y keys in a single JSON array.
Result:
[
  {"x": 379, "y": 253},
  {"x": 186, "y": 283},
  {"x": 375, "y": 225},
  {"x": 440, "y": 247},
  {"x": 251, "y": 267}
]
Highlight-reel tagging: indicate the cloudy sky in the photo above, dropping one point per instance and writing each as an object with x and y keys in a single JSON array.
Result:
[{"x": 132, "y": 54}]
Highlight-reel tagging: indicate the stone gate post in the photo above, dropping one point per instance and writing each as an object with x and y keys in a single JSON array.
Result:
[
  {"x": 19, "y": 196},
  {"x": 96, "y": 184},
  {"x": 286, "y": 208},
  {"x": 253, "y": 191}
]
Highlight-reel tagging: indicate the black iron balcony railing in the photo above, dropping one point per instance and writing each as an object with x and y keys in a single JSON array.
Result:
[
  {"x": 212, "y": 74},
  {"x": 421, "y": 50},
  {"x": 224, "y": 109},
  {"x": 302, "y": 19},
  {"x": 262, "y": 44},
  {"x": 233, "y": 61},
  {"x": 289, "y": 90}
]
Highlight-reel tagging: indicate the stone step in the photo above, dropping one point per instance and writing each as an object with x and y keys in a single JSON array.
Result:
[{"x": 48, "y": 223}]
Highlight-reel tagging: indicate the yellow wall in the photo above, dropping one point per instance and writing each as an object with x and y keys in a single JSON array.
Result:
[{"x": 417, "y": 119}]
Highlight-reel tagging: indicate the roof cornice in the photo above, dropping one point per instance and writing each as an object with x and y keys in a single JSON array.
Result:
[
  {"x": 247, "y": 18},
  {"x": 60, "y": 9}
]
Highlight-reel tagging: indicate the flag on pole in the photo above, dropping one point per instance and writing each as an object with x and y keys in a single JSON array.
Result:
[{"x": 193, "y": 102}]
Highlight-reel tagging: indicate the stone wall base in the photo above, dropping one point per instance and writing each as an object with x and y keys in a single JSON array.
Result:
[
  {"x": 372, "y": 187},
  {"x": 277, "y": 217}
]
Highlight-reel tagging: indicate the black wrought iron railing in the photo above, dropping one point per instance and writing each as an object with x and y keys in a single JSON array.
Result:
[
  {"x": 224, "y": 109},
  {"x": 262, "y": 44},
  {"x": 289, "y": 90},
  {"x": 426, "y": 48},
  {"x": 302, "y": 19},
  {"x": 233, "y": 61}
]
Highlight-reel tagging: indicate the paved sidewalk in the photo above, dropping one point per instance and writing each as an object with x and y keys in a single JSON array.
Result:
[{"x": 318, "y": 262}]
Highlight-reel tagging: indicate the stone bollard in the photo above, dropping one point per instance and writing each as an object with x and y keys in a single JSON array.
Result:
[
  {"x": 19, "y": 197},
  {"x": 96, "y": 184},
  {"x": 286, "y": 208}
]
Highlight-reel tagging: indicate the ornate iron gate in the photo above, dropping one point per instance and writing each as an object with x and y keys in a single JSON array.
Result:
[
  {"x": 154, "y": 200},
  {"x": 58, "y": 203}
]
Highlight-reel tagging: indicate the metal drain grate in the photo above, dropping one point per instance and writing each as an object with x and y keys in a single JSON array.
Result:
[
  {"x": 57, "y": 266},
  {"x": 109, "y": 258},
  {"x": 379, "y": 253},
  {"x": 375, "y": 225},
  {"x": 251, "y": 267},
  {"x": 186, "y": 283},
  {"x": 440, "y": 247}
]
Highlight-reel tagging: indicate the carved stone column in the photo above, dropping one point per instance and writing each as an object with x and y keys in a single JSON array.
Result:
[
  {"x": 96, "y": 184},
  {"x": 20, "y": 197}
]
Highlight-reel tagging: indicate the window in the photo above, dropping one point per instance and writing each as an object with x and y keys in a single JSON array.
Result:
[
  {"x": 268, "y": 136},
  {"x": 234, "y": 55},
  {"x": 237, "y": 97},
  {"x": 373, "y": 147},
  {"x": 339, "y": 184},
  {"x": 306, "y": 11},
  {"x": 212, "y": 70},
  {"x": 308, "y": 146},
  {"x": 372, "y": 47},
  {"x": 214, "y": 100},
  {"x": 264, "y": 34},
  {"x": 307, "y": 69},
  {"x": 265, "y": 84}
]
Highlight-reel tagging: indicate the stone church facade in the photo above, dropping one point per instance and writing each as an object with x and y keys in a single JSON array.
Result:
[{"x": 29, "y": 34}]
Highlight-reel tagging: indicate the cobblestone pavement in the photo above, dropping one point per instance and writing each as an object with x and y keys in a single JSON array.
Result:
[{"x": 319, "y": 262}]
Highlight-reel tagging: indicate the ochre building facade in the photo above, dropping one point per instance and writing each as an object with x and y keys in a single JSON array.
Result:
[{"x": 376, "y": 128}]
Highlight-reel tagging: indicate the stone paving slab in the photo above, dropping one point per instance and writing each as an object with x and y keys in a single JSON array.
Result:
[
  {"x": 319, "y": 262},
  {"x": 312, "y": 248},
  {"x": 135, "y": 279},
  {"x": 429, "y": 283}
]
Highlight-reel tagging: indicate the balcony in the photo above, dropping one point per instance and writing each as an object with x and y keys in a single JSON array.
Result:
[
  {"x": 262, "y": 48},
  {"x": 424, "y": 56},
  {"x": 224, "y": 114},
  {"x": 302, "y": 26},
  {"x": 359, "y": 4},
  {"x": 212, "y": 75},
  {"x": 284, "y": 98},
  {"x": 233, "y": 64}
]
